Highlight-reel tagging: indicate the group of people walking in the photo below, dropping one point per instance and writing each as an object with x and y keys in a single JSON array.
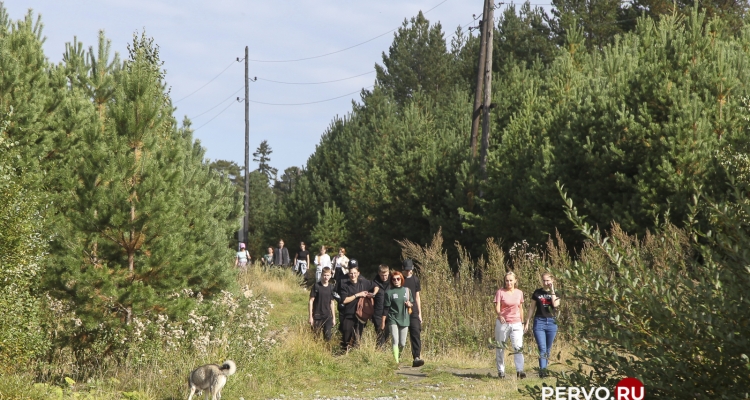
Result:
[
  {"x": 510, "y": 324},
  {"x": 395, "y": 299}
]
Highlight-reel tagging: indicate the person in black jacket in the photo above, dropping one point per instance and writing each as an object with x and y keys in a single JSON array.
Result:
[
  {"x": 281, "y": 255},
  {"x": 382, "y": 280},
  {"x": 350, "y": 291}
]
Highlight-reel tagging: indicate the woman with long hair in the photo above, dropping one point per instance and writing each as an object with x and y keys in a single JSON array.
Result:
[
  {"x": 322, "y": 260},
  {"x": 397, "y": 304},
  {"x": 301, "y": 259},
  {"x": 542, "y": 307},
  {"x": 509, "y": 325},
  {"x": 340, "y": 265}
]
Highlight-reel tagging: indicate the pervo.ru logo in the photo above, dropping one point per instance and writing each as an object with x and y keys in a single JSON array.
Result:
[{"x": 626, "y": 389}]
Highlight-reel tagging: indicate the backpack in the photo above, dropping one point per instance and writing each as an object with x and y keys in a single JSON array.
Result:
[{"x": 365, "y": 309}]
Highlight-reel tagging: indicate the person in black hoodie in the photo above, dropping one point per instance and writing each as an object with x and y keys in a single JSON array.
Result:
[
  {"x": 350, "y": 291},
  {"x": 382, "y": 280}
]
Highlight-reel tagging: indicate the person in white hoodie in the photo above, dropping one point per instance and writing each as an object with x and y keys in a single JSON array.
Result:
[{"x": 322, "y": 260}]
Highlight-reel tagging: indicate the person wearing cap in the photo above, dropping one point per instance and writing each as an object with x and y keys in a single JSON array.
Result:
[
  {"x": 350, "y": 291},
  {"x": 411, "y": 281},
  {"x": 242, "y": 258}
]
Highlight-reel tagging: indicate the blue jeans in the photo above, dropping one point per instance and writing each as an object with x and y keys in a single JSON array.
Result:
[{"x": 545, "y": 330}]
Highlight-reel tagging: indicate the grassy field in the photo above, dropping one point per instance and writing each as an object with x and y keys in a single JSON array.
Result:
[{"x": 299, "y": 365}]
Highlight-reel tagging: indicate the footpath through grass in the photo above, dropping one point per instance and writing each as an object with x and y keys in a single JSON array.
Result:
[
  {"x": 298, "y": 366},
  {"x": 303, "y": 366}
]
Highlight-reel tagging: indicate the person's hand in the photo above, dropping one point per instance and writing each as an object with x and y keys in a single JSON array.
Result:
[
  {"x": 370, "y": 294},
  {"x": 334, "y": 320},
  {"x": 382, "y": 326},
  {"x": 501, "y": 319},
  {"x": 420, "y": 318},
  {"x": 526, "y": 327},
  {"x": 312, "y": 322},
  {"x": 408, "y": 303}
]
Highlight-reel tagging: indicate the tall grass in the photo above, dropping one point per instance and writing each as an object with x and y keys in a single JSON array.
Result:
[{"x": 458, "y": 308}]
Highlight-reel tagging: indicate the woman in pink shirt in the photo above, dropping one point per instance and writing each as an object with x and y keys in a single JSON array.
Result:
[{"x": 509, "y": 324}]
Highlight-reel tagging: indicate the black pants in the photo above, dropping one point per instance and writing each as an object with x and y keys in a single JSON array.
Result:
[
  {"x": 351, "y": 331},
  {"x": 381, "y": 334},
  {"x": 325, "y": 324},
  {"x": 415, "y": 336}
]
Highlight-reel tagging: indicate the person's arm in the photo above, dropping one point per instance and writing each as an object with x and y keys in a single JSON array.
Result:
[
  {"x": 386, "y": 307},
  {"x": 333, "y": 314},
  {"x": 418, "y": 300},
  {"x": 236, "y": 260},
  {"x": 531, "y": 311},
  {"x": 308, "y": 258},
  {"x": 310, "y": 310},
  {"x": 555, "y": 299},
  {"x": 295, "y": 258},
  {"x": 520, "y": 308},
  {"x": 355, "y": 296},
  {"x": 499, "y": 310}
]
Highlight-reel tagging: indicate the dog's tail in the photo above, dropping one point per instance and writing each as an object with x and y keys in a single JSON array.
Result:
[{"x": 228, "y": 368}]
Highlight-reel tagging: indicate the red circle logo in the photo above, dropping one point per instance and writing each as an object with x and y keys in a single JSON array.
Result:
[{"x": 630, "y": 389}]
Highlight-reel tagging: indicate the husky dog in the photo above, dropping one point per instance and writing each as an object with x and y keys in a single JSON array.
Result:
[{"x": 210, "y": 378}]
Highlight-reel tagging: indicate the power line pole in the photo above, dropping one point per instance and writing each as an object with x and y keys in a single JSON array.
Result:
[
  {"x": 489, "y": 20},
  {"x": 480, "y": 79},
  {"x": 246, "y": 222}
]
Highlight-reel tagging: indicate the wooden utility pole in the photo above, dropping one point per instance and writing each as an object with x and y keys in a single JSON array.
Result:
[
  {"x": 489, "y": 21},
  {"x": 246, "y": 222},
  {"x": 480, "y": 79}
]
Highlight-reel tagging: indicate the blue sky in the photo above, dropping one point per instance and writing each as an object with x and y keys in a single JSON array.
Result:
[{"x": 199, "y": 39}]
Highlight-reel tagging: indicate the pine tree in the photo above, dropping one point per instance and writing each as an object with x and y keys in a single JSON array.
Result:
[
  {"x": 262, "y": 157},
  {"x": 158, "y": 218},
  {"x": 418, "y": 60},
  {"x": 331, "y": 228},
  {"x": 230, "y": 170}
]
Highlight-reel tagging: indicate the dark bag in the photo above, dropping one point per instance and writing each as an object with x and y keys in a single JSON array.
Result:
[{"x": 365, "y": 309}]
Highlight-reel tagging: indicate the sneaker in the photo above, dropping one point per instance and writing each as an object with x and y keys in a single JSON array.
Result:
[
  {"x": 521, "y": 375},
  {"x": 418, "y": 362},
  {"x": 501, "y": 375}
]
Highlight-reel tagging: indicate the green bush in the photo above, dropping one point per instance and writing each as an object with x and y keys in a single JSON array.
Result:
[{"x": 670, "y": 309}]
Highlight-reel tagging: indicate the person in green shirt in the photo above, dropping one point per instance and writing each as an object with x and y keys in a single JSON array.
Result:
[{"x": 397, "y": 307}]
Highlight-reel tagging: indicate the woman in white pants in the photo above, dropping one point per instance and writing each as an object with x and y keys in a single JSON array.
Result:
[{"x": 509, "y": 325}]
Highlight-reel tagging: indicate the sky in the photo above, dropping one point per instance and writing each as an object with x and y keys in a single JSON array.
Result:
[{"x": 199, "y": 42}]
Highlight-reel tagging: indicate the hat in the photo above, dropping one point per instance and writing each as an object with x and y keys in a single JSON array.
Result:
[
  {"x": 353, "y": 264},
  {"x": 242, "y": 245},
  {"x": 408, "y": 265}
]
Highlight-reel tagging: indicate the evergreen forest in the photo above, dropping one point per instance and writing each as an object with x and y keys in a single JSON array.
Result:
[{"x": 610, "y": 123}]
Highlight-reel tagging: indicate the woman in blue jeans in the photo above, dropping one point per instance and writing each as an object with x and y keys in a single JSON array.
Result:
[{"x": 542, "y": 307}]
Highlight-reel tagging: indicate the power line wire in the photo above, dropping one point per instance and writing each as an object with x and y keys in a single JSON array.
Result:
[
  {"x": 310, "y": 102},
  {"x": 342, "y": 50},
  {"x": 214, "y": 117},
  {"x": 207, "y": 83},
  {"x": 220, "y": 103},
  {"x": 316, "y": 83}
]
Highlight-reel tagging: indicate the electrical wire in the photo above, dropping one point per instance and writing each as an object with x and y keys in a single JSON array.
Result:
[
  {"x": 214, "y": 117},
  {"x": 220, "y": 103},
  {"x": 310, "y": 102},
  {"x": 315, "y": 83},
  {"x": 342, "y": 50},
  {"x": 207, "y": 83}
]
